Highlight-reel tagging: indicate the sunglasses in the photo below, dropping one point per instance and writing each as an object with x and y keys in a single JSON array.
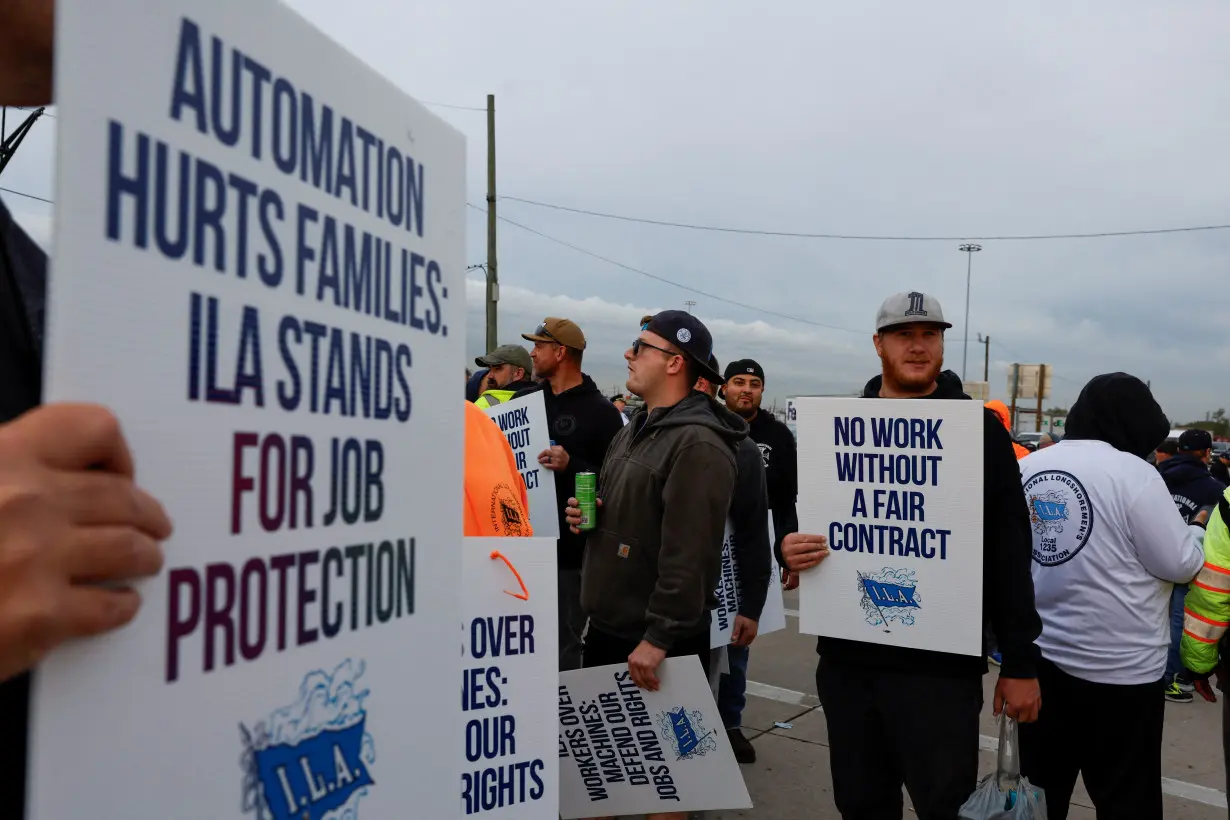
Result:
[
  {"x": 542, "y": 331},
  {"x": 639, "y": 344}
]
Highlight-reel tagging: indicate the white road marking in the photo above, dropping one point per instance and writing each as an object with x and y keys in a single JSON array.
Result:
[{"x": 1175, "y": 788}]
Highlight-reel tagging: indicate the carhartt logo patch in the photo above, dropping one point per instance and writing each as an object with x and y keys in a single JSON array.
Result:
[{"x": 624, "y": 549}]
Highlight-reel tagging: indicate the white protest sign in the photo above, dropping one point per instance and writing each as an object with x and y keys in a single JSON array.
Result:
[
  {"x": 510, "y": 769},
  {"x": 625, "y": 750},
  {"x": 259, "y": 263},
  {"x": 730, "y": 593},
  {"x": 896, "y": 487},
  {"x": 523, "y": 422}
]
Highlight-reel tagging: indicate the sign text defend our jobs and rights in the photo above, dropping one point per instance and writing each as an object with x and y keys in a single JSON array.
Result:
[
  {"x": 184, "y": 207},
  {"x": 894, "y": 502}
]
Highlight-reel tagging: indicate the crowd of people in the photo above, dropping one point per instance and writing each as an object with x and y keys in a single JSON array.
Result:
[{"x": 1113, "y": 614}]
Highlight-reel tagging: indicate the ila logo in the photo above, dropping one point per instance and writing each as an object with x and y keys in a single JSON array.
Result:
[
  {"x": 916, "y": 305},
  {"x": 889, "y": 596},
  {"x": 310, "y": 759}
]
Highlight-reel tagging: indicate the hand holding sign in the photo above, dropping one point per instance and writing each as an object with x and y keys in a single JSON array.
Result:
[
  {"x": 744, "y": 631},
  {"x": 643, "y": 663},
  {"x": 803, "y": 551},
  {"x": 554, "y": 458},
  {"x": 70, "y": 519}
]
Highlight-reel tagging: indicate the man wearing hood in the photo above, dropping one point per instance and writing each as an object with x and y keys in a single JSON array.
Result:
[
  {"x": 582, "y": 423},
  {"x": 1193, "y": 488},
  {"x": 1005, "y": 418},
  {"x": 1107, "y": 550},
  {"x": 898, "y": 715}
]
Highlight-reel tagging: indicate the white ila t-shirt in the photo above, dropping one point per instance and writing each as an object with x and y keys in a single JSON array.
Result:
[{"x": 1108, "y": 547}]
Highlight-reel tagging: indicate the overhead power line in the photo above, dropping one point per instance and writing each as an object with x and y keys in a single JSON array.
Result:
[
  {"x": 27, "y": 196},
  {"x": 670, "y": 282},
  {"x": 863, "y": 237},
  {"x": 456, "y": 107}
]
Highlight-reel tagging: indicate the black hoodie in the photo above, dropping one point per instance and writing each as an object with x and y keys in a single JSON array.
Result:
[
  {"x": 1190, "y": 484},
  {"x": 583, "y": 422},
  {"x": 1007, "y": 582},
  {"x": 1118, "y": 409}
]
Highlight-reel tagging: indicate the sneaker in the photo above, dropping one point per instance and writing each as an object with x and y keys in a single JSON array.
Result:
[
  {"x": 1182, "y": 681},
  {"x": 744, "y": 751},
  {"x": 995, "y": 659},
  {"x": 1176, "y": 695}
]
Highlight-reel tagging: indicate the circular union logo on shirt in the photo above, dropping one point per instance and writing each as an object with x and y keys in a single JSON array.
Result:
[
  {"x": 1060, "y": 515},
  {"x": 506, "y": 518}
]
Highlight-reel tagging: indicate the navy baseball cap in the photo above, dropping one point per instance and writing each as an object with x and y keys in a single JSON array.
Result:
[
  {"x": 744, "y": 367},
  {"x": 687, "y": 333},
  {"x": 1194, "y": 441}
]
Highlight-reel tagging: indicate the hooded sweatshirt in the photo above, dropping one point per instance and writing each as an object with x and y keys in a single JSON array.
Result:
[
  {"x": 583, "y": 422},
  {"x": 1005, "y": 418},
  {"x": 1190, "y": 484},
  {"x": 749, "y": 524},
  {"x": 653, "y": 562},
  {"x": 1107, "y": 544},
  {"x": 1007, "y": 590}
]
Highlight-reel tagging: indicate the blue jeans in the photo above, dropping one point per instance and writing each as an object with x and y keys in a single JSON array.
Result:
[
  {"x": 1174, "y": 666},
  {"x": 732, "y": 689}
]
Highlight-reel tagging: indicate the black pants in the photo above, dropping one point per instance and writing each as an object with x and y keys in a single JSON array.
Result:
[
  {"x": 602, "y": 649},
  {"x": 1112, "y": 735},
  {"x": 891, "y": 728},
  {"x": 1225, "y": 729}
]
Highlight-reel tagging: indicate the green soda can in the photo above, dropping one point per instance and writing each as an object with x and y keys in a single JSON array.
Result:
[{"x": 587, "y": 498}]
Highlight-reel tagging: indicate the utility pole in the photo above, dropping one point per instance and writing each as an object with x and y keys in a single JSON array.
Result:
[
  {"x": 969, "y": 249},
  {"x": 986, "y": 362},
  {"x": 691, "y": 304},
  {"x": 493, "y": 279},
  {"x": 1041, "y": 392},
  {"x": 1016, "y": 386}
]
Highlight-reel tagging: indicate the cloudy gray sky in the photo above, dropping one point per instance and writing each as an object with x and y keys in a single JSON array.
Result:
[{"x": 938, "y": 119}]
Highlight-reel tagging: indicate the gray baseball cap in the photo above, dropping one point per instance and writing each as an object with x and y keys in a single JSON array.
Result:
[
  {"x": 516, "y": 355},
  {"x": 908, "y": 308}
]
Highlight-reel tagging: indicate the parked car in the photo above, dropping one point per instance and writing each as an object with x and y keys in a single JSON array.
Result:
[{"x": 1029, "y": 441}]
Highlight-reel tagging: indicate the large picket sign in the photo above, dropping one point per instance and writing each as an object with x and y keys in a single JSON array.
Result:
[
  {"x": 259, "y": 266},
  {"x": 729, "y": 593},
  {"x": 896, "y": 486},
  {"x": 524, "y": 422},
  {"x": 625, "y": 750},
  {"x": 510, "y": 769}
]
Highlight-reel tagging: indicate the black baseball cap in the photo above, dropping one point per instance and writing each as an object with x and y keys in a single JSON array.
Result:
[
  {"x": 687, "y": 333},
  {"x": 1193, "y": 441},
  {"x": 744, "y": 367}
]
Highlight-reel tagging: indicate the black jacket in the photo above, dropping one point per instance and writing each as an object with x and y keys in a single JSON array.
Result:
[
  {"x": 781, "y": 463},
  {"x": 749, "y": 523},
  {"x": 23, "y": 271},
  {"x": 583, "y": 422},
  {"x": 1190, "y": 483},
  {"x": 652, "y": 563},
  {"x": 1220, "y": 471},
  {"x": 1007, "y": 580}
]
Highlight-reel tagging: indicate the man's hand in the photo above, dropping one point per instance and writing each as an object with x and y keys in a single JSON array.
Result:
[
  {"x": 803, "y": 551},
  {"x": 1021, "y": 698},
  {"x": 744, "y": 632},
  {"x": 790, "y": 580},
  {"x": 554, "y": 458},
  {"x": 572, "y": 515},
  {"x": 643, "y": 664},
  {"x": 73, "y": 526}
]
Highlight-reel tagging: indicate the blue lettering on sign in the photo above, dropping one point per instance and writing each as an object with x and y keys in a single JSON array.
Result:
[
  {"x": 314, "y": 777},
  {"x": 882, "y": 594},
  {"x": 685, "y": 735}
]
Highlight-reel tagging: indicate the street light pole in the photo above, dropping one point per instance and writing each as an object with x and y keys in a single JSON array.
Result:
[
  {"x": 691, "y": 304},
  {"x": 969, "y": 249}
]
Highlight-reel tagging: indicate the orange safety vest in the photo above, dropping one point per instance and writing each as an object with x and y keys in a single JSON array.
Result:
[
  {"x": 1001, "y": 412},
  {"x": 496, "y": 502}
]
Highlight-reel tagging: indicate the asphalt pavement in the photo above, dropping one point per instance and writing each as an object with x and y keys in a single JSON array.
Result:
[{"x": 790, "y": 779}]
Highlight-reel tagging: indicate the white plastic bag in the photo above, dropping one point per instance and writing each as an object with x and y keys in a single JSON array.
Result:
[{"x": 1005, "y": 795}]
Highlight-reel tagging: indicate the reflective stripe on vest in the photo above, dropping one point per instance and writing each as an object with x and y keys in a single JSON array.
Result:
[
  {"x": 1203, "y": 629},
  {"x": 493, "y": 397},
  {"x": 1213, "y": 578}
]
